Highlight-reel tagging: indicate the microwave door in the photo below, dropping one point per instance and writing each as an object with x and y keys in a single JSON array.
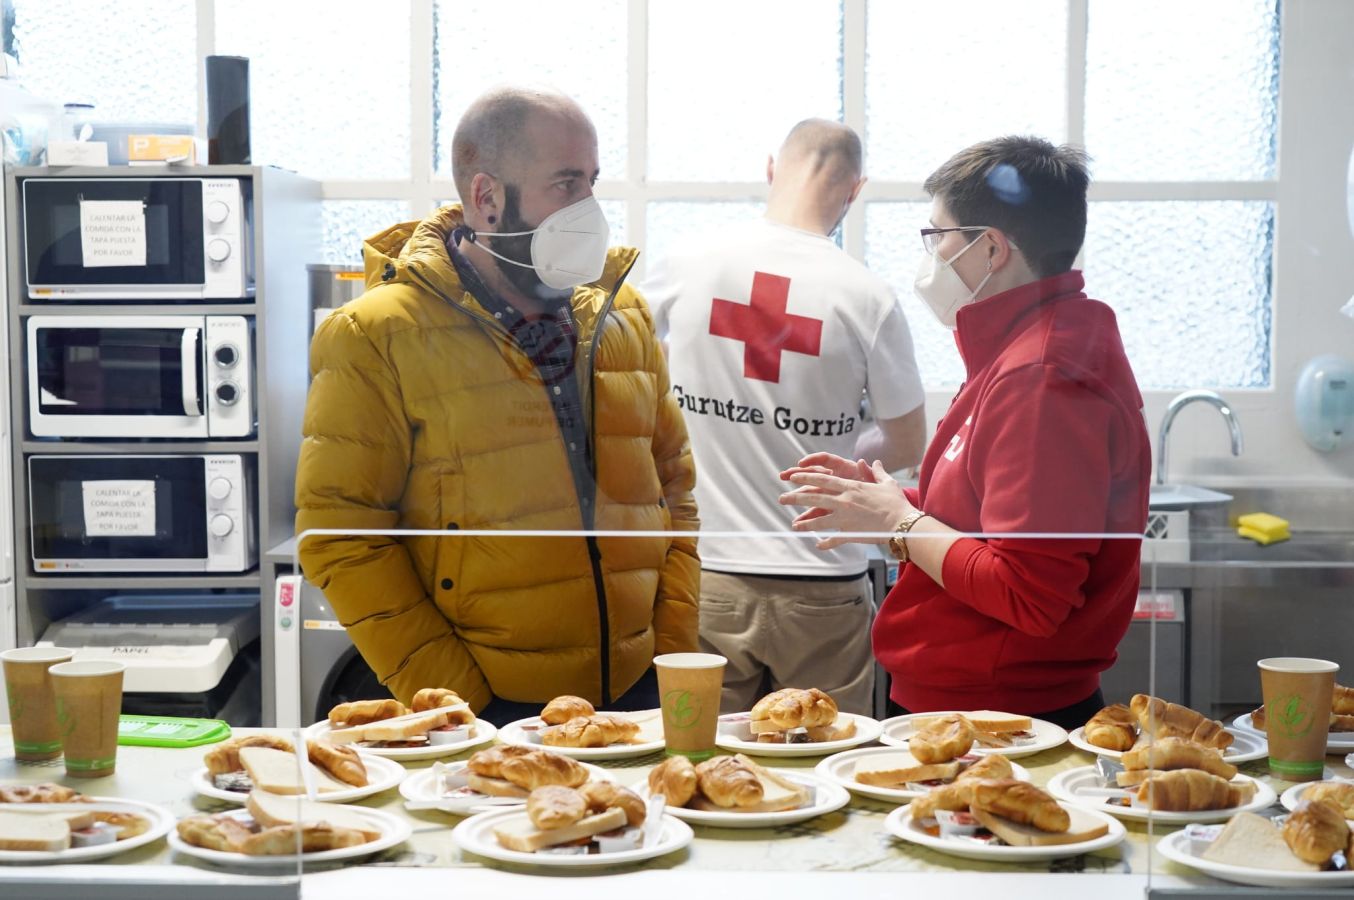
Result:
[{"x": 190, "y": 356}]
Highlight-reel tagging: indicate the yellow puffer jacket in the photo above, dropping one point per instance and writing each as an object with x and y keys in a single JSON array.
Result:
[{"x": 424, "y": 414}]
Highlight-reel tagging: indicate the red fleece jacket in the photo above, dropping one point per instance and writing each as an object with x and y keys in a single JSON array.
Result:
[{"x": 1046, "y": 435}]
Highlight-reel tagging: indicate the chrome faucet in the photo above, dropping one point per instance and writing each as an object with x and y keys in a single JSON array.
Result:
[{"x": 1179, "y": 403}]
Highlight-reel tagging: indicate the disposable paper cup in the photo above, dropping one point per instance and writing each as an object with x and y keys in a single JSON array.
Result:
[
  {"x": 32, "y": 705},
  {"x": 88, "y": 701},
  {"x": 1297, "y": 694},
  {"x": 689, "y": 685}
]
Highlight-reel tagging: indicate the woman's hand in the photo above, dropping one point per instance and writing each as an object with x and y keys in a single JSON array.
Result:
[{"x": 844, "y": 496}]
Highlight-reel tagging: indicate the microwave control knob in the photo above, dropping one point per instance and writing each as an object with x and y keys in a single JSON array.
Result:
[
  {"x": 227, "y": 393},
  {"x": 217, "y": 212},
  {"x": 219, "y": 489},
  {"x": 218, "y": 250},
  {"x": 222, "y": 525},
  {"x": 226, "y": 355}
]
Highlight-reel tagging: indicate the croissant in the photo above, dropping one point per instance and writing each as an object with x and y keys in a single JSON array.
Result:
[
  {"x": 225, "y": 757},
  {"x": 1178, "y": 753},
  {"x": 1342, "y": 703},
  {"x": 1190, "y": 790},
  {"x": 994, "y": 767},
  {"x": 341, "y": 761},
  {"x": 363, "y": 712},
  {"x": 555, "y": 806},
  {"x": 955, "y": 796},
  {"x": 540, "y": 768},
  {"x": 674, "y": 778},
  {"x": 46, "y": 792},
  {"x": 942, "y": 739},
  {"x": 488, "y": 763},
  {"x": 562, "y": 709},
  {"x": 1341, "y": 793},
  {"x": 1315, "y": 831},
  {"x": 1258, "y": 717},
  {"x": 214, "y": 832},
  {"x": 796, "y": 708},
  {"x": 1113, "y": 728},
  {"x": 727, "y": 782},
  {"x": 598, "y": 730},
  {"x": 603, "y": 795},
  {"x": 280, "y": 840},
  {"x": 1160, "y": 719},
  {"x": 1339, "y": 723},
  {"x": 436, "y": 698},
  {"x": 1020, "y": 802}
]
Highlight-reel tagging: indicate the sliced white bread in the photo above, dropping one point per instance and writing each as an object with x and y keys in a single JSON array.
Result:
[
  {"x": 998, "y": 722},
  {"x": 519, "y": 834},
  {"x": 48, "y": 832},
  {"x": 276, "y": 772},
  {"x": 1250, "y": 840},
  {"x": 896, "y": 770},
  {"x": 274, "y": 809},
  {"x": 1085, "y": 827},
  {"x": 494, "y": 787},
  {"x": 400, "y": 728}
]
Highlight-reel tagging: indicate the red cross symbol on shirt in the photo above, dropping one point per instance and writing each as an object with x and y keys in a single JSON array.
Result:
[{"x": 765, "y": 328}]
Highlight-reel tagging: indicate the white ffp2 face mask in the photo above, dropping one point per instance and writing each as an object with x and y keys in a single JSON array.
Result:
[
  {"x": 941, "y": 289},
  {"x": 568, "y": 248}
]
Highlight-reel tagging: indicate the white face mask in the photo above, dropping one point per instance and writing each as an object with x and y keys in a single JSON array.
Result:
[
  {"x": 940, "y": 287},
  {"x": 568, "y": 248}
]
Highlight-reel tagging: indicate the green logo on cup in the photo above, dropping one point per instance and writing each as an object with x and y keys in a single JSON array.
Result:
[
  {"x": 16, "y": 702},
  {"x": 1292, "y": 715},
  {"x": 64, "y": 718},
  {"x": 681, "y": 709}
]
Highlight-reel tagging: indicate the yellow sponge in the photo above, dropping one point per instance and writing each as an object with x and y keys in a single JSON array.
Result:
[{"x": 1263, "y": 528}]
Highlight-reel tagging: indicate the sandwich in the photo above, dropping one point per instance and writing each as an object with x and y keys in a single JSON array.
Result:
[
  {"x": 1160, "y": 719},
  {"x": 410, "y": 729},
  {"x": 270, "y": 810},
  {"x": 1022, "y": 815},
  {"x": 280, "y": 826},
  {"x": 599, "y": 813},
  {"x": 269, "y": 762},
  {"x": 990, "y": 728},
  {"x": 901, "y": 769},
  {"x": 278, "y": 773},
  {"x": 1253, "y": 841},
  {"x": 52, "y": 827},
  {"x": 513, "y": 771},
  {"x": 737, "y": 784},
  {"x": 795, "y": 715}
]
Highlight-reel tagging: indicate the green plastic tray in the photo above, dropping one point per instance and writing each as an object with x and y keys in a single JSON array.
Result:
[{"x": 169, "y": 731}]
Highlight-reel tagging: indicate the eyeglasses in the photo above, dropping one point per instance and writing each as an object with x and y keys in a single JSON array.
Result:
[{"x": 931, "y": 237}]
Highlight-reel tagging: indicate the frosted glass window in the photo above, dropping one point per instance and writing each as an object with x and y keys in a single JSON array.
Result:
[
  {"x": 942, "y": 76},
  {"x": 892, "y": 249},
  {"x": 1190, "y": 283},
  {"x": 727, "y": 81},
  {"x": 347, "y": 223},
  {"x": 133, "y": 65},
  {"x": 1182, "y": 91},
  {"x": 328, "y": 98},
  {"x": 672, "y": 223},
  {"x": 577, "y": 48}
]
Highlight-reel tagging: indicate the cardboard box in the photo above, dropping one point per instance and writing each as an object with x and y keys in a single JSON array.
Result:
[{"x": 155, "y": 149}]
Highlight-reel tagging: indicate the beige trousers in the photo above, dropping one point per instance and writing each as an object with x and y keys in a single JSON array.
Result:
[{"x": 779, "y": 633}]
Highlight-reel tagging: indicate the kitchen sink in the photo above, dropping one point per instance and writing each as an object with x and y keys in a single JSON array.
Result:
[{"x": 1166, "y": 497}]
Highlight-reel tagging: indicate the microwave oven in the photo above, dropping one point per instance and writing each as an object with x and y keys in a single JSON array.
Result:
[
  {"x": 130, "y": 376},
  {"x": 137, "y": 238},
  {"x": 188, "y": 513}
]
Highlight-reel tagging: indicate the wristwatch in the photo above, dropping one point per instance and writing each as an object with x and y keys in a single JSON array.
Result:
[{"x": 898, "y": 543}]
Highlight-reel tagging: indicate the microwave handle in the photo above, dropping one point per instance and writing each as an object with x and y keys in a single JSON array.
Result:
[{"x": 188, "y": 361}]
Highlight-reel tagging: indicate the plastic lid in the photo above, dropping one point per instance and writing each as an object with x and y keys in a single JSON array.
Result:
[{"x": 169, "y": 731}]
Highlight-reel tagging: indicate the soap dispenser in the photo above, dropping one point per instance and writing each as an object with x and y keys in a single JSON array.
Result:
[{"x": 1325, "y": 402}]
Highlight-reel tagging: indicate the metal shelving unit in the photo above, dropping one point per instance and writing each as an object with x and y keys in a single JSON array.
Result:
[{"x": 286, "y": 236}]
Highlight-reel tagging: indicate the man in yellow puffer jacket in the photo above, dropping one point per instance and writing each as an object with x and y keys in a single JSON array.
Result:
[{"x": 517, "y": 387}]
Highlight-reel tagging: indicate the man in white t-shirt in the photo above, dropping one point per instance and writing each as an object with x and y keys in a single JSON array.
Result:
[{"x": 773, "y": 336}]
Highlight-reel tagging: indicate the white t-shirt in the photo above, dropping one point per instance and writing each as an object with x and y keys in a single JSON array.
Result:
[{"x": 773, "y": 334}]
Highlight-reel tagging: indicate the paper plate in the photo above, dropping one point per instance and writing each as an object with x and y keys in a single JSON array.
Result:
[
  {"x": 421, "y": 787},
  {"x": 382, "y": 775},
  {"x": 161, "y": 823},
  {"x": 867, "y": 730},
  {"x": 1246, "y": 745},
  {"x": 476, "y": 835},
  {"x": 1046, "y": 736},
  {"x": 523, "y": 733},
  {"x": 1177, "y": 847},
  {"x": 484, "y": 733},
  {"x": 1065, "y": 785},
  {"x": 394, "y": 830},
  {"x": 1293, "y": 796},
  {"x": 841, "y": 768},
  {"x": 899, "y": 824},
  {"x": 827, "y": 797},
  {"x": 1336, "y": 741}
]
